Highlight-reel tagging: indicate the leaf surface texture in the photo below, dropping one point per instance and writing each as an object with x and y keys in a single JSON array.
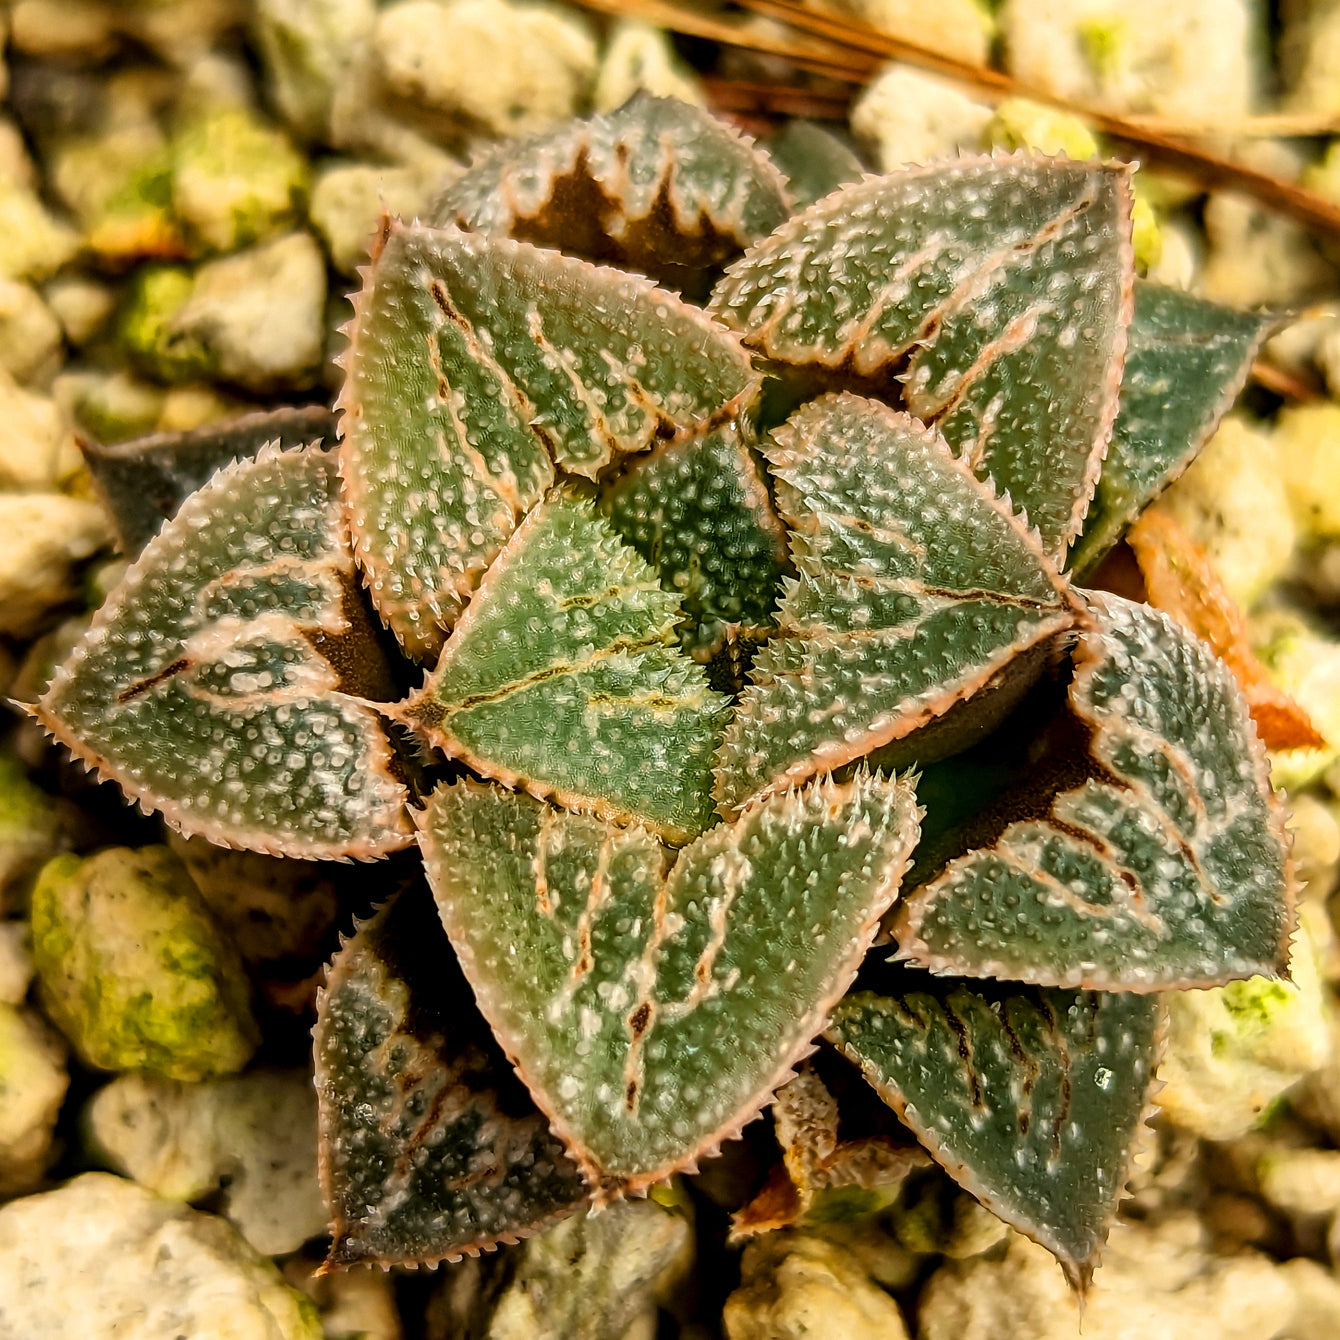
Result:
[
  {"x": 225, "y": 681},
  {"x": 656, "y": 1014}
]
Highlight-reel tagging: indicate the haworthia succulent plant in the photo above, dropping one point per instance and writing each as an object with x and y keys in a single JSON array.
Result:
[
  {"x": 920, "y": 595},
  {"x": 473, "y": 360},
  {"x": 698, "y": 511},
  {"x": 549, "y": 472},
  {"x": 1185, "y": 364},
  {"x": 1033, "y": 1100},
  {"x": 658, "y": 185},
  {"x": 995, "y": 290},
  {"x": 558, "y": 678},
  {"x": 1168, "y": 867},
  {"x": 430, "y": 1147},
  {"x": 226, "y": 680},
  {"x": 658, "y": 1012},
  {"x": 145, "y": 481}
]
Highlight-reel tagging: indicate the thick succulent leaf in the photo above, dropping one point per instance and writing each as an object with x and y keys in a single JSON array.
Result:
[
  {"x": 1032, "y": 1100},
  {"x": 558, "y": 678},
  {"x": 919, "y": 592},
  {"x": 998, "y": 289},
  {"x": 430, "y": 1148},
  {"x": 657, "y": 1015},
  {"x": 658, "y": 186},
  {"x": 1186, "y": 361},
  {"x": 814, "y": 160},
  {"x": 143, "y": 482},
  {"x": 472, "y": 361},
  {"x": 698, "y": 511},
  {"x": 1166, "y": 867},
  {"x": 225, "y": 682}
]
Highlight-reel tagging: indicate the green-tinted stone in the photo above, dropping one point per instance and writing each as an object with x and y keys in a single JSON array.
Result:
[
  {"x": 1032, "y": 1100},
  {"x": 1166, "y": 867},
  {"x": 659, "y": 186},
  {"x": 698, "y": 511},
  {"x": 657, "y": 1012},
  {"x": 30, "y": 830},
  {"x": 995, "y": 290},
  {"x": 1185, "y": 364},
  {"x": 559, "y": 678},
  {"x": 430, "y": 1147},
  {"x": 474, "y": 358},
  {"x": 922, "y": 603},
  {"x": 235, "y": 179},
  {"x": 225, "y": 681},
  {"x": 156, "y": 294},
  {"x": 133, "y": 969}
]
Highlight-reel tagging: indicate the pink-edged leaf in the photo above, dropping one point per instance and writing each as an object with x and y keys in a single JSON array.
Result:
[
  {"x": 656, "y": 1012},
  {"x": 144, "y": 481},
  {"x": 659, "y": 186},
  {"x": 558, "y": 678},
  {"x": 430, "y": 1149},
  {"x": 922, "y": 601},
  {"x": 230, "y": 679},
  {"x": 476, "y": 364},
  {"x": 996, "y": 291},
  {"x": 1158, "y": 861},
  {"x": 1032, "y": 1100},
  {"x": 699, "y": 513}
]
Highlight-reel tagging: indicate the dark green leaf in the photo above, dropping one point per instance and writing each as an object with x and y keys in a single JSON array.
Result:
[
  {"x": 658, "y": 186},
  {"x": 471, "y": 360},
  {"x": 1032, "y": 1100},
  {"x": 698, "y": 511},
  {"x": 430, "y": 1147},
  {"x": 226, "y": 681},
  {"x": 559, "y": 678},
  {"x": 1186, "y": 361},
  {"x": 923, "y": 605},
  {"x": 814, "y": 160},
  {"x": 996, "y": 290},
  {"x": 145, "y": 481},
  {"x": 651, "y": 1016}
]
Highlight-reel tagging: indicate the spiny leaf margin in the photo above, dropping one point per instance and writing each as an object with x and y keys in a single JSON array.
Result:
[
  {"x": 233, "y": 510},
  {"x": 1169, "y": 867},
  {"x": 500, "y": 896},
  {"x": 955, "y": 1063},
  {"x": 890, "y": 537},
  {"x": 407, "y": 1074}
]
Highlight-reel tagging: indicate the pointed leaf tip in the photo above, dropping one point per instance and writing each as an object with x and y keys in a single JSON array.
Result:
[
  {"x": 1032, "y": 1100},
  {"x": 1186, "y": 361},
  {"x": 659, "y": 1013},
  {"x": 430, "y": 1149},
  {"x": 1168, "y": 867},
  {"x": 923, "y": 610},
  {"x": 225, "y": 682},
  {"x": 996, "y": 289},
  {"x": 699, "y": 512},
  {"x": 558, "y": 679},
  {"x": 475, "y": 365}
]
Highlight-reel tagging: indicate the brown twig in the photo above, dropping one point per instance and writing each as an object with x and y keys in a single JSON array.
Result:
[
  {"x": 1207, "y": 169},
  {"x": 740, "y": 97},
  {"x": 815, "y": 57},
  {"x": 1286, "y": 385}
]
